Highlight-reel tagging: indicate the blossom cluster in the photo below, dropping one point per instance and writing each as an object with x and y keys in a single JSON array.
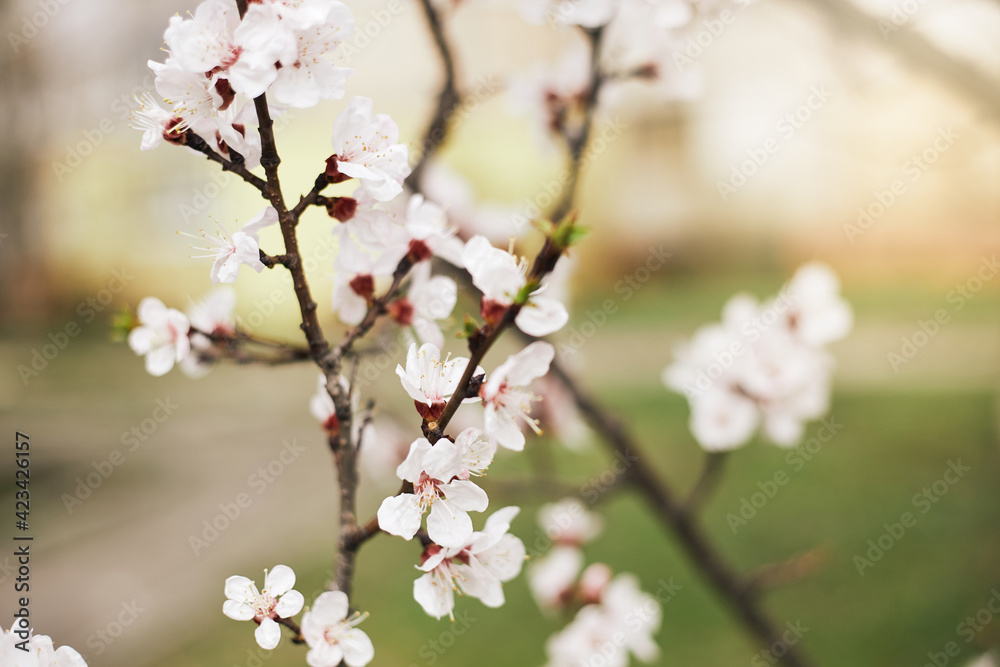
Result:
[
  {"x": 765, "y": 365},
  {"x": 36, "y": 651},
  {"x": 614, "y": 617},
  {"x": 328, "y": 627},
  {"x": 640, "y": 40}
]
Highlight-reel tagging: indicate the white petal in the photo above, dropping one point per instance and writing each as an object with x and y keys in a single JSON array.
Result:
[
  {"x": 290, "y": 604},
  {"x": 541, "y": 316},
  {"x": 357, "y": 647},
  {"x": 448, "y": 524},
  {"x": 324, "y": 655},
  {"x": 240, "y": 589},
  {"x": 331, "y": 607},
  {"x": 413, "y": 464},
  {"x": 238, "y": 611},
  {"x": 279, "y": 580},
  {"x": 465, "y": 494},
  {"x": 434, "y": 595},
  {"x": 268, "y": 634},
  {"x": 400, "y": 515}
]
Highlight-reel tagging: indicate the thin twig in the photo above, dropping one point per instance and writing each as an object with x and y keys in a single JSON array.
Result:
[
  {"x": 711, "y": 474},
  {"x": 195, "y": 142},
  {"x": 448, "y": 99}
]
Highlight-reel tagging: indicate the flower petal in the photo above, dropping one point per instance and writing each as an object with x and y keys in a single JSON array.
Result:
[
  {"x": 279, "y": 580},
  {"x": 268, "y": 634},
  {"x": 289, "y": 604},
  {"x": 400, "y": 515}
]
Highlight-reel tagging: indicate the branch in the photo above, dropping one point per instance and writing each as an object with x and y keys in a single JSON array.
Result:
[
  {"x": 707, "y": 482},
  {"x": 378, "y": 307},
  {"x": 294, "y": 627},
  {"x": 195, "y": 142},
  {"x": 577, "y": 144},
  {"x": 448, "y": 98},
  {"x": 675, "y": 516}
]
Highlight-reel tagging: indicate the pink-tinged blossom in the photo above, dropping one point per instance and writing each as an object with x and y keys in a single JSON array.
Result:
[
  {"x": 213, "y": 315},
  {"x": 157, "y": 124},
  {"x": 478, "y": 567},
  {"x": 312, "y": 77},
  {"x": 568, "y": 522},
  {"x": 162, "y": 336},
  {"x": 239, "y": 56},
  {"x": 333, "y": 636},
  {"x": 429, "y": 380},
  {"x": 40, "y": 652},
  {"x": 277, "y": 600},
  {"x": 621, "y": 622},
  {"x": 506, "y": 397},
  {"x": 477, "y": 453},
  {"x": 365, "y": 147},
  {"x": 241, "y": 248},
  {"x": 552, "y": 577},
  {"x": 428, "y": 300},
  {"x": 500, "y": 276},
  {"x": 764, "y": 366},
  {"x": 436, "y": 474}
]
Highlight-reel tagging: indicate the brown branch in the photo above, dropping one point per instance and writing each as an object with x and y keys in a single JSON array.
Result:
[
  {"x": 376, "y": 309},
  {"x": 640, "y": 474},
  {"x": 577, "y": 143},
  {"x": 727, "y": 583},
  {"x": 307, "y": 200},
  {"x": 711, "y": 474},
  {"x": 448, "y": 99},
  {"x": 294, "y": 627},
  {"x": 195, "y": 142}
]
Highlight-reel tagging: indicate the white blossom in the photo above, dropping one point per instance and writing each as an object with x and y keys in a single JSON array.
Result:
[
  {"x": 436, "y": 474},
  {"x": 276, "y": 600},
  {"x": 478, "y": 567},
  {"x": 501, "y": 276},
  {"x": 40, "y": 652},
  {"x": 366, "y": 148},
  {"x": 506, "y": 398},
  {"x": 333, "y": 636},
  {"x": 162, "y": 336}
]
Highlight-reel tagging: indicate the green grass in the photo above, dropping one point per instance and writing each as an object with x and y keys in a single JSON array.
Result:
[{"x": 908, "y": 604}]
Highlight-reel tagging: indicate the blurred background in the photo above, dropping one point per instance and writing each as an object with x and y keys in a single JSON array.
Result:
[{"x": 885, "y": 167}]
